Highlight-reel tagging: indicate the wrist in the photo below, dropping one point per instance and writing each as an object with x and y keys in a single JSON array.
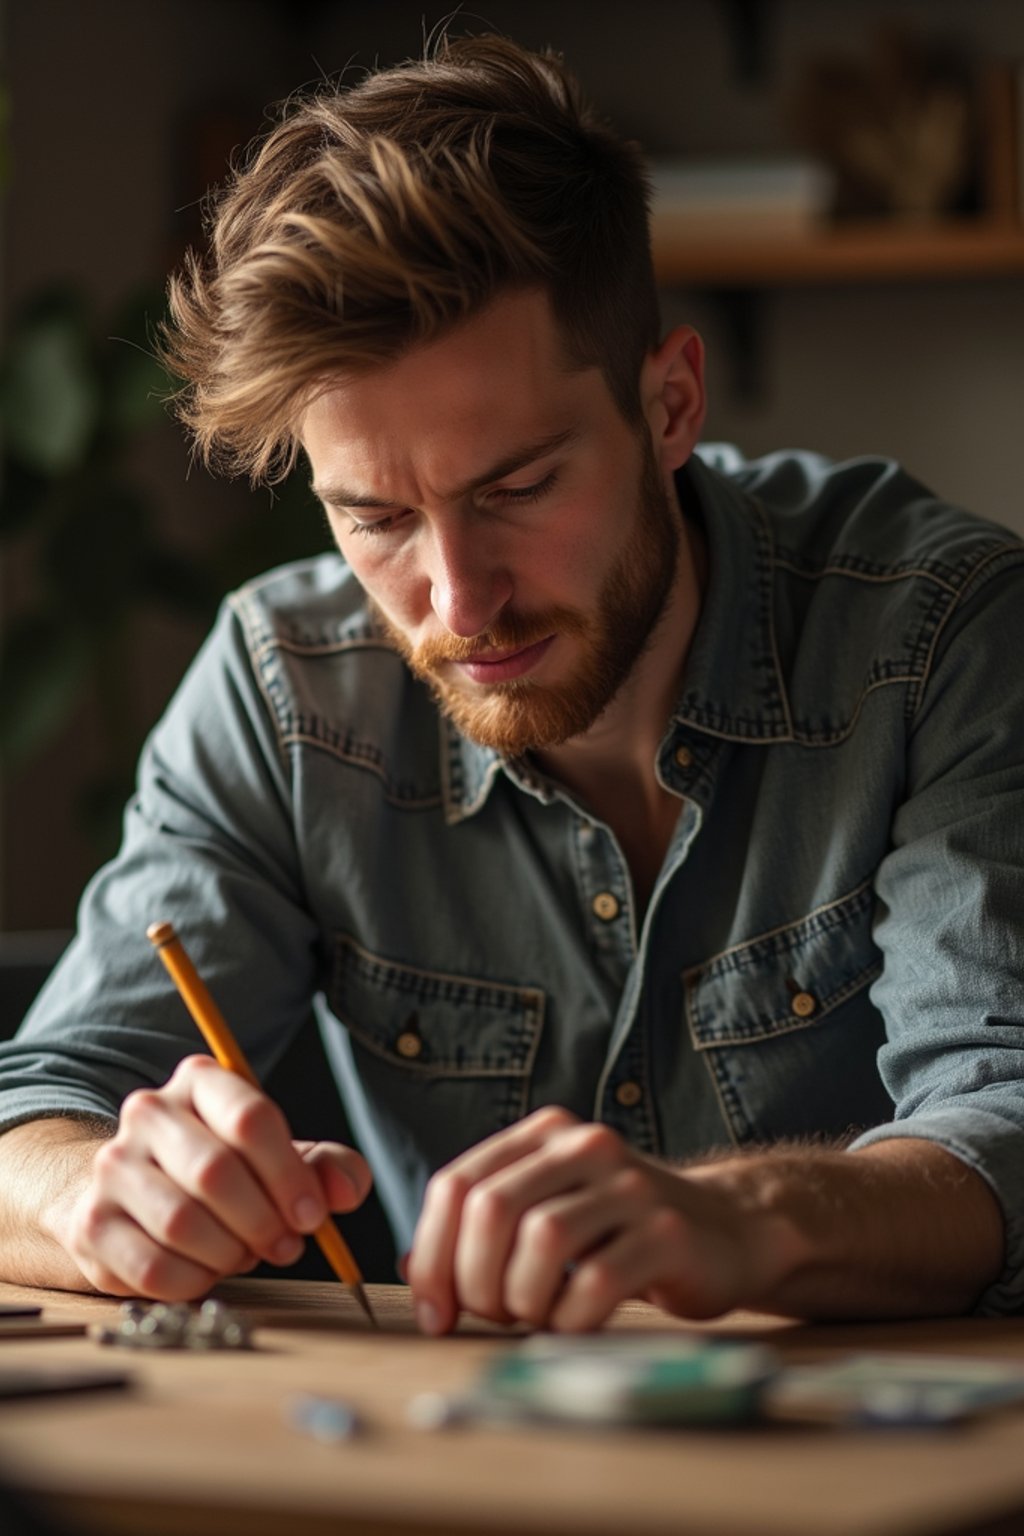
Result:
[
  {"x": 767, "y": 1212},
  {"x": 45, "y": 1167},
  {"x": 898, "y": 1229}
]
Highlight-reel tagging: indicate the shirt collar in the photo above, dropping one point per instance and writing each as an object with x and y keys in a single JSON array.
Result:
[{"x": 733, "y": 685}]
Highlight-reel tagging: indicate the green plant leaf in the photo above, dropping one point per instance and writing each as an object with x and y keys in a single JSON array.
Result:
[
  {"x": 43, "y": 665},
  {"x": 49, "y": 402}
]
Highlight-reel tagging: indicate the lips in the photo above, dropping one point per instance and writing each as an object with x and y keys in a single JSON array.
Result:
[{"x": 502, "y": 666}]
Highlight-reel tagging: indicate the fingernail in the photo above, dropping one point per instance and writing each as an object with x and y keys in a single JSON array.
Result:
[
  {"x": 427, "y": 1317},
  {"x": 308, "y": 1213},
  {"x": 286, "y": 1250}
]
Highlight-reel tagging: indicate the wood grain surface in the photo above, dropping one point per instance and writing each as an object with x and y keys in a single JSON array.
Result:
[{"x": 201, "y": 1444}]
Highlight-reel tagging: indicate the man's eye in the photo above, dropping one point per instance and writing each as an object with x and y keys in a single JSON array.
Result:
[
  {"x": 381, "y": 525},
  {"x": 527, "y": 492}
]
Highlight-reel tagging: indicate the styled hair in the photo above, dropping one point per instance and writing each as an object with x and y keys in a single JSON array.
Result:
[{"x": 377, "y": 217}]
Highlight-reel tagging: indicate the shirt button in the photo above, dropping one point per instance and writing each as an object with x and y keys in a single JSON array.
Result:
[
  {"x": 605, "y": 906},
  {"x": 409, "y": 1045},
  {"x": 628, "y": 1094},
  {"x": 804, "y": 1004},
  {"x": 684, "y": 757}
]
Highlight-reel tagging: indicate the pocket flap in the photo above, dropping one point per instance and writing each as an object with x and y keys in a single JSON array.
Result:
[
  {"x": 434, "y": 1023},
  {"x": 788, "y": 978}
]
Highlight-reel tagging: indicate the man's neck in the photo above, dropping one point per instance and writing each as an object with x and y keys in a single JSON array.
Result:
[
  {"x": 612, "y": 768},
  {"x": 620, "y": 749}
]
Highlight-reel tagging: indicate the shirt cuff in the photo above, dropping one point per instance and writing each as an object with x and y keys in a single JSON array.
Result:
[{"x": 994, "y": 1148}]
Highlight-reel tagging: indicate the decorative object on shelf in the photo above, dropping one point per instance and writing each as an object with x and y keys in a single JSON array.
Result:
[
  {"x": 899, "y": 128},
  {"x": 715, "y": 199}
]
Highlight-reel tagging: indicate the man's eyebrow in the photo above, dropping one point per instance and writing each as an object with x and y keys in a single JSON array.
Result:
[{"x": 336, "y": 495}]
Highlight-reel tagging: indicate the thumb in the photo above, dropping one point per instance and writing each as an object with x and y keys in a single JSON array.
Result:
[{"x": 344, "y": 1174}]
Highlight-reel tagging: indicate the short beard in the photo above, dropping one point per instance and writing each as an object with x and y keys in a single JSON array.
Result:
[{"x": 519, "y": 716}]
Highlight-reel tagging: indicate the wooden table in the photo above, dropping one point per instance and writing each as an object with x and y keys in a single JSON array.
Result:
[{"x": 201, "y": 1446}]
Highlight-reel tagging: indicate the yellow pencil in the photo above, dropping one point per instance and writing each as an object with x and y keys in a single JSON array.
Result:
[{"x": 225, "y": 1048}]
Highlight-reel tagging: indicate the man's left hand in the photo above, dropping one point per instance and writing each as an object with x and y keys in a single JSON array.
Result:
[{"x": 554, "y": 1222}]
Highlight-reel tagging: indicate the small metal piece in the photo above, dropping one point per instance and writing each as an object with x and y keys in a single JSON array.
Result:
[{"x": 177, "y": 1326}]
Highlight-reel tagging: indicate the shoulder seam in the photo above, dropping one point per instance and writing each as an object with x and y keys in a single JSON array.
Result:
[{"x": 979, "y": 572}]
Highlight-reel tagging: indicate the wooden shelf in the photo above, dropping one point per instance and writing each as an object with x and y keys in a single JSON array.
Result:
[{"x": 851, "y": 253}]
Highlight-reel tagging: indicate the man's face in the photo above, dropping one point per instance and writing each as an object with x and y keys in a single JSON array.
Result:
[{"x": 513, "y": 532}]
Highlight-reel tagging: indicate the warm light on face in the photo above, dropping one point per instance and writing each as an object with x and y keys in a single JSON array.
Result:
[
  {"x": 516, "y": 535},
  {"x": 524, "y": 714}
]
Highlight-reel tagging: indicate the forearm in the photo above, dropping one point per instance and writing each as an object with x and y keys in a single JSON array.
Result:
[
  {"x": 44, "y": 1166},
  {"x": 900, "y": 1228}
]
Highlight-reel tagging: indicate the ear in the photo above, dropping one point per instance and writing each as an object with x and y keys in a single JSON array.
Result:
[{"x": 672, "y": 391}]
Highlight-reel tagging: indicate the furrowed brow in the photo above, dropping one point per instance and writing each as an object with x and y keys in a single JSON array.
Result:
[
  {"x": 333, "y": 494},
  {"x": 519, "y": 459}
]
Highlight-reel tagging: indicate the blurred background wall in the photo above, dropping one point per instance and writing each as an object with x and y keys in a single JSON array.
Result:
[{"x": 119, "y": 113}]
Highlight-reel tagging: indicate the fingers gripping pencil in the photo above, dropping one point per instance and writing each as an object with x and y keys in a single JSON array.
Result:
[{"x": 225, "y": 1048}]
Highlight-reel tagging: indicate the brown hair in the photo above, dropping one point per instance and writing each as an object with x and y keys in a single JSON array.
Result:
[{"x": 377, "y": 217}]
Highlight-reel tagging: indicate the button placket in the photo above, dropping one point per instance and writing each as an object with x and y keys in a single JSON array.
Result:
[
  {"x": 626, "y": 1103},
  {"x": 605, "y": 892}
]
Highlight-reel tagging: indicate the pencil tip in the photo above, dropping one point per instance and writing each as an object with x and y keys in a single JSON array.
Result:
[{"x": 359, "y": 1292}]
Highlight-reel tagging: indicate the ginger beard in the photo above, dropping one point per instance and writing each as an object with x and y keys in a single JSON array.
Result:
[{"x": 521, "y": 715}]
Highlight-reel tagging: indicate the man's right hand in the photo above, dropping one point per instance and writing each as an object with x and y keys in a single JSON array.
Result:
[{"x": 200, "y": 1180}]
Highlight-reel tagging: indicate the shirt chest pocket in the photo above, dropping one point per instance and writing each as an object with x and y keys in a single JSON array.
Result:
[
  {"x": 448, "y": 1057},
  {"x": 787, "y": 1029}
]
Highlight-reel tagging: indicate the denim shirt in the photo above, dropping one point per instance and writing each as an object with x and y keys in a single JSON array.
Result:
[{"x": 835, "y": 943}]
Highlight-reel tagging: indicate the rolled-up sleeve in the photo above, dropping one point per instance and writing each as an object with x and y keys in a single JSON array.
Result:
[{"x": 951, "y": 909}]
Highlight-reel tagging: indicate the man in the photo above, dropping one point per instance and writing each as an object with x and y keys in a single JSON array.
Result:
[{"x": 643, "y": 823}]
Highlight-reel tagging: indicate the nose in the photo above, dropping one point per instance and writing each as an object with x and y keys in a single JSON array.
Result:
[{"x": 469, "y": 582}]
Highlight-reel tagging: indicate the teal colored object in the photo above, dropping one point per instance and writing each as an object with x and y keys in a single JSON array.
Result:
[{"x": 608, "y": 1381}]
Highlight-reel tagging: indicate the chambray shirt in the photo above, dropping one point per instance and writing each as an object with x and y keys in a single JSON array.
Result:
[{"x": 835, "y": 943}]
